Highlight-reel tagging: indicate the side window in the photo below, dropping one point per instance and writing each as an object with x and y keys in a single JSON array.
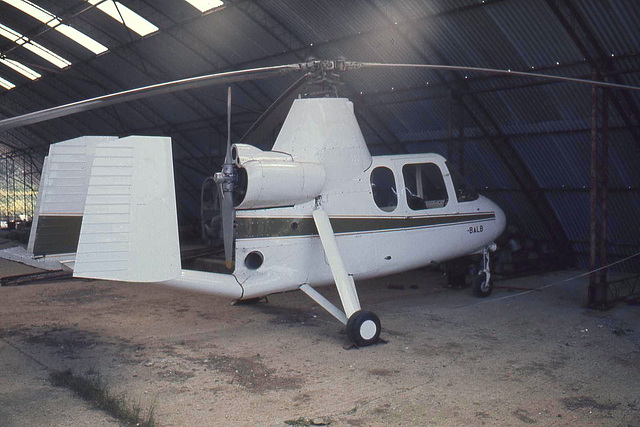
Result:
[
  {"x": 424, "y": 186},
  {"x": 383, "y": 188},
  {"x": 464, "y": 190}
]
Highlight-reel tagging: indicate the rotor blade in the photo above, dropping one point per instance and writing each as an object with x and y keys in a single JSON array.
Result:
[
  {"x": 276, "y": 112},
  {"x": 228, "y": 217},
  {"x": 356, "y": 65},
  {"x": 145, "y": 92}
]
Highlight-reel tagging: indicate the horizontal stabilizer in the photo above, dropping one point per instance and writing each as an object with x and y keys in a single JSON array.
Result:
[{"x": 129, "y": 227}]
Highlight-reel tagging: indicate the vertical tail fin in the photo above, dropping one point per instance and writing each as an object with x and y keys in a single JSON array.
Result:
[
  {"x": 61, "y": 196},
  {"x": 129, "y": 228}
]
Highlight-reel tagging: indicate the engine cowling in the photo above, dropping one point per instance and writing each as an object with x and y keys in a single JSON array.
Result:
[{"x": 271, "y": 179}]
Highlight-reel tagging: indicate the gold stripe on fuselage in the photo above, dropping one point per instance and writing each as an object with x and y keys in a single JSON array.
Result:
[{"x": 261, "y": 227}]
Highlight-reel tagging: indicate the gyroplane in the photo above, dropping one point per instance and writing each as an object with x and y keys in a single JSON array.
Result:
[{"x": 317, "y": 209}]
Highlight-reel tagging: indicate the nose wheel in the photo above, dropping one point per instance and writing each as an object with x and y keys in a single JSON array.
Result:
[{"x": 482, "y": 284}]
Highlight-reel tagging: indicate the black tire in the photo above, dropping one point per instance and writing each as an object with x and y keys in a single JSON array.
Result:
[
  {"x": 360, "y": 328},
  {"x": 480, "y": 286}
]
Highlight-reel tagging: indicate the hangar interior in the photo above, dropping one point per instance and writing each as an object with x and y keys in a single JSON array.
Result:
[
  {"x": 561, "y": 159},
  {"x": 525, "y": 143}
]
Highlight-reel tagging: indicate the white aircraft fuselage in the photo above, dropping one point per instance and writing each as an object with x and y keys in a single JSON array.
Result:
[
  {"x": 373, "y": 242},
  {"x": 389, "y": 213}
]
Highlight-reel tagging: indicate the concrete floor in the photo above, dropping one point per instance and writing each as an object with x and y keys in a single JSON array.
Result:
[{"x": 447, "y": 357}]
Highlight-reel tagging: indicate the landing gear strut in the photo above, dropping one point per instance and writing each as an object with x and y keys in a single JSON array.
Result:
[
  {"x": 363, "y": 327},
  {"x": 482, "y": 283}
]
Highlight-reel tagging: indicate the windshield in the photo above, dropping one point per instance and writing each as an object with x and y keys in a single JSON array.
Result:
[{"x": 464, "y": 191}]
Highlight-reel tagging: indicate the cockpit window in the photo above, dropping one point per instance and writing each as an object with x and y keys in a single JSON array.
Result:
[
  {"x": 383, "y": 188},
  {"x": 424, "y": 186},
  {"x": 464, "y": 191}
]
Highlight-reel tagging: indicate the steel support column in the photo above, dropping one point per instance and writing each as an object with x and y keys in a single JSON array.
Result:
[
  {"x": 604, "y": 160},
  {"x": 461, "y": 142},
  {"x": 597, "y": 294},
  {"x": 593, "y": 194},
  {"x": 450, "y": 124}
]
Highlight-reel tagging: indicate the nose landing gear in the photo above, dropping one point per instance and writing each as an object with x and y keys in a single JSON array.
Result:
[{"x": 482, "y": 284}]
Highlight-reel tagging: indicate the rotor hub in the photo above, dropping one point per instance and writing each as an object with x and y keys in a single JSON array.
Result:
[{"x": 227, "y": 177}]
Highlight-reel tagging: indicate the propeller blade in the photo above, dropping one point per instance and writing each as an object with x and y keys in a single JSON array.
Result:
[
  {"x": 148, "y": 91},
  {"x": 228, "y": 218},
  {"x": 228, "y": 210},
  {"x": 356, "y": 65},
  {"x": 276, "y": 112},
  {"x": 227, "y": 157}
]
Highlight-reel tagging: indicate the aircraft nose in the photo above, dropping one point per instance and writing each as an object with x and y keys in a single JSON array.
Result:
[{"x": 501, "y": 219}]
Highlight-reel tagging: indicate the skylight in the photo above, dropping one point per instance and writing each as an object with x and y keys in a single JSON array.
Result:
[
  {"x": 81, "y": 38},
  {"x": 46, "y": 54},
  {"x": 20, "y": 68},
  {"x": 125, "y": 16},
  {"x": 6, "y": 84},
  {"x": 205, "y": 5},
  {"x": 31, "y": 9},
  {"x": 8, "y": 33},
  {"x": 34, "y": 47},
  {"x": 54, "y": 22}
]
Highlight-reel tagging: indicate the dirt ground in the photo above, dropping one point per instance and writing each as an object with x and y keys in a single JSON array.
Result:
[{"x": 446, "y": 358}]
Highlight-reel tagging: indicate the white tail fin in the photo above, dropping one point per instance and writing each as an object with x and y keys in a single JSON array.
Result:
[
  {"x": 62, "y": 195},
  {"x": 129, "y": 227}
]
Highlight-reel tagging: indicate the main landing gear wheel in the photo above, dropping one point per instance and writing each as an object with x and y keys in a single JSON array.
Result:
[
  {"x": 363, "y": 328},
  {"x": 481, "y": 286}
]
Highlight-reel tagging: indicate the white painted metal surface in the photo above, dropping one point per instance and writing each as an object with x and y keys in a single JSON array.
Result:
[
  {"x": 368, "y": 329},
  {"x": 130, "y": 228},
  {"x": 290, "y": 261},
  {"x": 344, "y": 282},
  {"x": 271, "y": 183},
  {"x": 243, "y": 153},
  {"x": 65, "y": 179},
  {"x": 224, "y": 285},
  {"x": 69, "y": 168},
  {"x": 324, "y": 303},
  {"x": 325, "y": 131}
]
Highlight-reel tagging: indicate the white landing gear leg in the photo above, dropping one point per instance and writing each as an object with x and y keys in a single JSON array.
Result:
[
  {"x": 482, "y": 283},
  {"x": 363, "y": 327}
]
